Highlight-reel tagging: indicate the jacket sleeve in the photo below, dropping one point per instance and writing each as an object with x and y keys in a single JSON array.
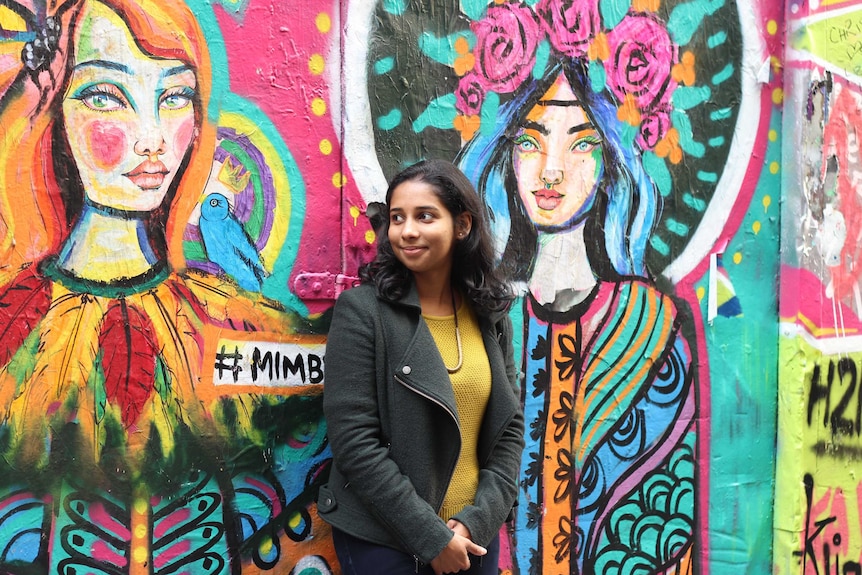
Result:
[
  {"x": 355, "y": 366},
  {"x": 498, "y": 477}
]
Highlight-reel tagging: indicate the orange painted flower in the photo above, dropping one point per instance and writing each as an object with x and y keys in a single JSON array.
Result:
[
  {"x": 684, "y": 72},
  {"x": 646, "y": 5},
  {"x": 465, "y": 60},
  {"x": 628, "y": 111},
  {"x": 464, "y": 64},
  {"x": 467, "y": 126},
  {"x": 669, "y": 148},
  {"x": 599, "y": 49},
  {"x": 462, "y": 46}
]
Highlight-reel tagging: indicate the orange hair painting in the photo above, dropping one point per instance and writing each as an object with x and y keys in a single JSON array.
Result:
[{"x": 33, "y": 219}]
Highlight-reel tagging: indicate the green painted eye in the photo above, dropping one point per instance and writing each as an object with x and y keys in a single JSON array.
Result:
[
  {"x": 526, "y": 143},
  {"x": 176, "y": 101},
  {"x": 102, "y": 98}
]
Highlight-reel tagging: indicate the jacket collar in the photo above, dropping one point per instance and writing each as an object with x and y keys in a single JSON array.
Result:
[{"x": 411, "y": 300}]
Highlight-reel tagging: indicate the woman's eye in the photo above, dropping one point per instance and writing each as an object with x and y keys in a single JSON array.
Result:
[
  {"x": 426, "y": 216},
  {"x": 586, "y": 145},
  {"x": 526, "y": 143},
  {"x": 176, "y": 100},
  {"x": 396, "y": 218},
  {"x": 102, "y": 98}
]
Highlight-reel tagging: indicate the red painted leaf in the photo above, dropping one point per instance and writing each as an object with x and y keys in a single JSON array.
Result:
[
  {"x": 129, "y": 355},
  {"x": 23, "y": 303}
]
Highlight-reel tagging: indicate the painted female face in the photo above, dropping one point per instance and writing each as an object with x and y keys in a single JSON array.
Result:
[
  {"x": 129, "y": 118},
  {"x": 557, "y": 159}
]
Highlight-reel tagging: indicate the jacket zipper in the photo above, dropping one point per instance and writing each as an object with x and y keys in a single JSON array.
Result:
[{"x": 452, "y": 415}]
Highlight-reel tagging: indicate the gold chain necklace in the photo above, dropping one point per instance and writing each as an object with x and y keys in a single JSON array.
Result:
[{"x": 457, "y": 338}]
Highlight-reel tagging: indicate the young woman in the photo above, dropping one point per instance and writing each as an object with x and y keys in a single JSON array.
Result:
[
  {"x": 608, "y": 370},
  {"x": 421, "y": 400}
]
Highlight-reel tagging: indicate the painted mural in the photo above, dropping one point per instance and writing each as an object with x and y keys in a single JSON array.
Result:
[
  {"x": 607, "y": 140},
  {"x": 161, "y": 378},
  {"x": 818, "y": 516},
  {"x": 187, "y": 186}
]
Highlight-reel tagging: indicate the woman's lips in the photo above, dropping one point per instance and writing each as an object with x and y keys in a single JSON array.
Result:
[
  {"x": 411, "y": 250},
  {"x": 148, "y": 175},
  {"x": 547, "y": 199}
]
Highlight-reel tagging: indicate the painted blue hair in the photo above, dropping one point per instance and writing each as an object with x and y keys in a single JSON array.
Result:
[{"x": 627, "y": 204}]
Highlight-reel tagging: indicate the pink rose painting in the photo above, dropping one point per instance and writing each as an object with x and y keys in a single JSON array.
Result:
[
  {"x": 570, "y": 24},
  {"x": 654, "y": 126},
  {"x": 641, "y": 55},
  {"x": 470, "y": 94},
  {"x": 506, "y": 41}
]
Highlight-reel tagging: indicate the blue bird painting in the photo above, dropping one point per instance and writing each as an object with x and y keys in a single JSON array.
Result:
[{"x": 227, "y": 245}]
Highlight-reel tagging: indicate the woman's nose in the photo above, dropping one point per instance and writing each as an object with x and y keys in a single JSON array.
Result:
[
  {"x": 150, "y": 142},
  {"x": 552, "y": 169},
  {"x": 409, "y": 228},
  {"x": 552, "y": 176}
]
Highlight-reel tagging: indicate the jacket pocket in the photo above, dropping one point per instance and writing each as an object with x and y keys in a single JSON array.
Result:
[{"x": 326, "y": 500}]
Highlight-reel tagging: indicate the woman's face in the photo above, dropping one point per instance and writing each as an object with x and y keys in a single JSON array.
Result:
[
  {"x": 557, "y": 159},
  {"x": 422, "y": 230},
  {"x": 129, "y": 118}
]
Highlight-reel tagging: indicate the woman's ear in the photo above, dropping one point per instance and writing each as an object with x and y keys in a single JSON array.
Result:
[{"x": 463, "y": 225}]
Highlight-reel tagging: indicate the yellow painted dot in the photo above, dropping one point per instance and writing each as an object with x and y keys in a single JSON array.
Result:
[
  {"x": 767, "y": 201},
  {"x": 737, "y": 257},
  {"x": 140, "y": 553},
  {"x": 140, "y": 505},
  {"x": 338, "y": 179},
  {"x": 772, "y": 27},
  {"x": 325, "y": 147},
  {"x": 318, "y": 107},
  {"x": 323, "y": 23},
  {"x": 354, "y": 213},
  {"x": 316, "y": 64},
  {"x": 701, "y": 292},
  {"x": 370, "y": 236},
  {"x": 141, "y": 531},
  {"x": 756, "y": 227},
  {"x": 777, "y": 96},
  {"x": 295, "y": 520},
  {"x": 266, "y": 546},
  {"x": 773, "y": 135},
  {"x": 773, "y": 167}
]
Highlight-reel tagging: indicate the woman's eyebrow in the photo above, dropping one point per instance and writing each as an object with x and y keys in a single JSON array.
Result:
[
  {"x": 107, "y": 64},
  {"x": 531, "y": 125},
  {"x": 119, "y": 67},
  {"x": 176, "y": 70},
  {"x": 416, "y": 209},
  {"x": 581, "y": 128}
]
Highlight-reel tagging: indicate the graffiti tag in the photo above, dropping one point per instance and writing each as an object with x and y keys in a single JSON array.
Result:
[{"x": 838, "y": 397}]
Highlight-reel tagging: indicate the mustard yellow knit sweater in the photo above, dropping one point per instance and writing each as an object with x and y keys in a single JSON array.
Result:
[{"x": 472, "y": 387}]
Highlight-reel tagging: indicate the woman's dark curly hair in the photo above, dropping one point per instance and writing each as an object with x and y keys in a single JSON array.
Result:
[{"x": 473, "y": 265}]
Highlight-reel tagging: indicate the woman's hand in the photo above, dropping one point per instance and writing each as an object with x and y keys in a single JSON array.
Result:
[
  {"x": 459, "y": 529},
  {"x": 454, "y": 557}
]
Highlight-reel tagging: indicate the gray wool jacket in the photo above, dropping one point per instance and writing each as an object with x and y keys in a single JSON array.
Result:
[{"x": 393, "y": 427}]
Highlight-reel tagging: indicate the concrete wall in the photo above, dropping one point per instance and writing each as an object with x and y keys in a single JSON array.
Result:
[{"x": 817, "y": 511}]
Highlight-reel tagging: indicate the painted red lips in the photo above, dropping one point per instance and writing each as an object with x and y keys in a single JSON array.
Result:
[
  {"x": 148, "y": 175},
  {"x": 548, "y": 199}
]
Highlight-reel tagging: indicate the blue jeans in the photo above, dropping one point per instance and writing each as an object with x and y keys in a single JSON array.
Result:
[{"x": 358, "y": 557}]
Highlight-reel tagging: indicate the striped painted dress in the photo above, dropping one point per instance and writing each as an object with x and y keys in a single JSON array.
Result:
[{"x": 608, "y": 476}]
